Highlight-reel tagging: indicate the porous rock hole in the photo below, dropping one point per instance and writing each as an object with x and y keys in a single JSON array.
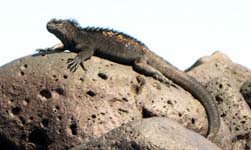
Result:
[{"x": 46, "y": 93}]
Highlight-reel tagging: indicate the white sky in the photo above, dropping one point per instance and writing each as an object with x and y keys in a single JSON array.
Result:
[{"x": 181, "y": 31}]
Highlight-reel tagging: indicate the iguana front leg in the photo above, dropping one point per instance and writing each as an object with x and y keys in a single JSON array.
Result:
[
  {"x": 85, "y": 53},
  {"x": 58, "y": 47}
]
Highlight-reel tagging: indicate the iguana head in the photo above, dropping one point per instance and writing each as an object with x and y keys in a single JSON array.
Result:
[{"x": 63, "y": 29}]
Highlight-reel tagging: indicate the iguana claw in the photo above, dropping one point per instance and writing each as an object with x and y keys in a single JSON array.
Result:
[
  {"x": 73, "y": 63},
  {"x": 42, "y": 50}
]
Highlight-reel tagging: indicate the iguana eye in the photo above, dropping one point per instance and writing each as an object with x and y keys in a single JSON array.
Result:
[
  {"x": 55, "y": 21},
  {"x": 58, "y": 22}
]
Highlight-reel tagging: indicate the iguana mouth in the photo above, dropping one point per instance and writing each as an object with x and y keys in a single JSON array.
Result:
[{"x": 50, "y": 27}]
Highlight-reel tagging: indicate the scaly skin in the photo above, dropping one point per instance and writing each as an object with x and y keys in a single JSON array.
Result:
[{"x": 121, "y": 48}]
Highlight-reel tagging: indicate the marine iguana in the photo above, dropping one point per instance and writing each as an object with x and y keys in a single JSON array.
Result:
[{"x": 124, "y": 49}]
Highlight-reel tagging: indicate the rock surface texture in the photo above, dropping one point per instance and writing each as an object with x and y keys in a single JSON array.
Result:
[
  {"x": 225, "y": 79},
  {"x": 45, "y": 106},
  {"x": 150, "y": 134}
]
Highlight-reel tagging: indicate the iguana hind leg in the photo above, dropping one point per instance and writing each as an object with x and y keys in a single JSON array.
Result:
[{"x": 141, "y": 66}]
